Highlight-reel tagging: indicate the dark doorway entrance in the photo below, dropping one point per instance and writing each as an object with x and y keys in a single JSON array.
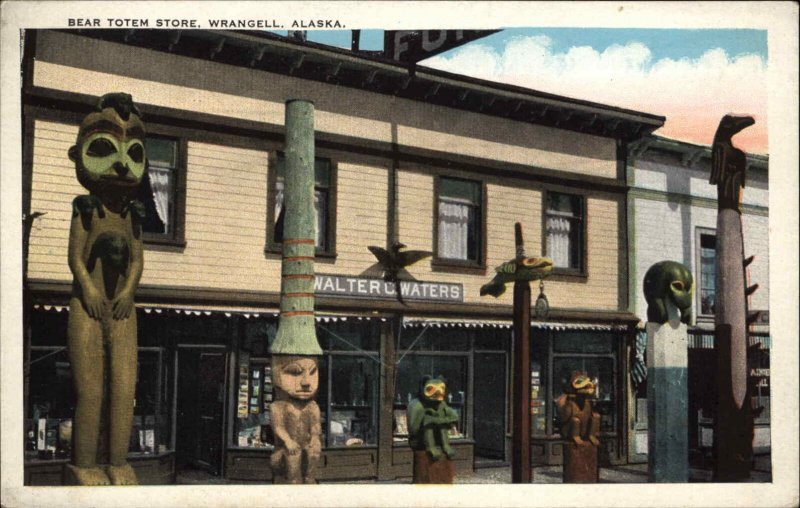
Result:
[
  {"x": 200, "y": 405},
  {"x": 490, "y": 387}
]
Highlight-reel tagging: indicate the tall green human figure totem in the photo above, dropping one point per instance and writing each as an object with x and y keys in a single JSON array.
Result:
[
  {"x": 295, "y": 413},
  {"x": 105, "y": 257}
]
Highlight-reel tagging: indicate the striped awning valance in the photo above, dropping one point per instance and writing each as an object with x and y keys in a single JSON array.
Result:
[{"x": 165, "y": 309}]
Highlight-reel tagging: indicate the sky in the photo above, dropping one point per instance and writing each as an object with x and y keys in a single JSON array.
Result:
[{"x": 692, "y": 77}]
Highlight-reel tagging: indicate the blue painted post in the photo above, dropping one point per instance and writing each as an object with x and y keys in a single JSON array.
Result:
[{"x": 667, "y": 400}]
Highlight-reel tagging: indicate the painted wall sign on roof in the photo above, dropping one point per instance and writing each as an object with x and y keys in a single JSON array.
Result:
[
  {"x": 411, "y": 46},
  {"x": 377, "y": 288}
]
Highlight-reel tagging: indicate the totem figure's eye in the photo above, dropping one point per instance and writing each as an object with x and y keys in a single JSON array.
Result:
[
  {"x": 101, "y": 147},
  {"x": 136, "y": 152},
  {"x": 430, "y": 390},
  {"x": 313, "y": 371},
  {"x": 293, "y": 370}
]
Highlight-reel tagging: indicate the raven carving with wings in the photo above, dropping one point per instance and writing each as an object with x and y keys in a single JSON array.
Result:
[{"x": 395, "y": 260}]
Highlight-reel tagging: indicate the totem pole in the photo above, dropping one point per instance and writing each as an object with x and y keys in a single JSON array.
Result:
[
  {"x": 520, "y": 271},
  {"x": 580, "y": 427},
  {"x": 105, "y": 257},
  {"x": 733, "y": 422},
  {"x": 668, "y": 290},
  {"x": 295, "y": 413},
  {"x": 429, "y": 423}
]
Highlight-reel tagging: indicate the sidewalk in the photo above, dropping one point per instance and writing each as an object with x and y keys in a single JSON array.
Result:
[{"x": 626, "y": 473}]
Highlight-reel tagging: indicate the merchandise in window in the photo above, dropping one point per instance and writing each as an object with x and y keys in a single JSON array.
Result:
[
  {"x": 51, "y": 404},
  {"x": 349, "y": 377},
  {"x": 564, "y": 218},
  {"x": 158, "y": 188},
  {"x": 459, "y": 220},
  {"x": 322, "y": 202}
]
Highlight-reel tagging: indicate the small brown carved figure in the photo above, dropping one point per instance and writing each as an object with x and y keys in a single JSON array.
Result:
[
  {"x": 105, "y": 257},
  {"x": 578, "y": 422},
  {"x": 295, "y": 419}
]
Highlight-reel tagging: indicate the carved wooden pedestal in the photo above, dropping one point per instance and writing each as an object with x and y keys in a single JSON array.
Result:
[
  {"x": 580, "y": 463},
  {"x": 427, "y": 470}
]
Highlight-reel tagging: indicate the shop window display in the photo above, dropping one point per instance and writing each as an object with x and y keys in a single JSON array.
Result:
[
  {"x": 349, "y": 375},
  {"x": 51, "y": 404}
]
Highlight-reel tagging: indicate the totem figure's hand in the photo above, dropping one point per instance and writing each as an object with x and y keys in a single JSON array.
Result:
[
  {"x": 292, "y": 448},
  {"x": 93, "y": 301},
  {"x": 122, "y": 305}
]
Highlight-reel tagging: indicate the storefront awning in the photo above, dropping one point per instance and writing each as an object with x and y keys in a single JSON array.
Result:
[
  {"x": 542, "y": 325},
  {"x": 247, "y": 313}
]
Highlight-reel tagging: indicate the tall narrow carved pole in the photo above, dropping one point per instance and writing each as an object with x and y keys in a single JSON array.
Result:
[
  {"x": 295, "y": 413},
  {"x": 520, "y": 271},
  {"x": 733, "y": 423},
  {"x": 521, "y": 437}
]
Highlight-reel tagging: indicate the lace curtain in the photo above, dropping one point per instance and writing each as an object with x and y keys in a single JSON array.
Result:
[
  {"x": 558, "y": 241},
  {"x": 454, "y": 224},
  {"x": 161, "y": 185}
]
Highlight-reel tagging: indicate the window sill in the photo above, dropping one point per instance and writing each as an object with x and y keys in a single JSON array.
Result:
[
  {"x": 566, "y": 275},
  {"x": 458, "y": 266},
  {"x": 276, "y": 251},
  {"x": 154, "y": 242}
]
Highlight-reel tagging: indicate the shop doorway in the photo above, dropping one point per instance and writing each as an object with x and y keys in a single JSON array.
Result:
[
  {"x": 199, "y": 408},
  {"x": 489, "y": 415}
]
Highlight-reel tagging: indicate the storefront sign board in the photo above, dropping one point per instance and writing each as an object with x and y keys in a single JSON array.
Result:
[{"x": 360, "y": 287}]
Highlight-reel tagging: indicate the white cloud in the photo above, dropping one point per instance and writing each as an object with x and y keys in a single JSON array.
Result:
[{"x": 692, "y": 93}]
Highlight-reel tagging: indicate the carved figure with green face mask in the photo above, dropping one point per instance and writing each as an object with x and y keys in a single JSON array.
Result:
[
  {"x": 105, "y": 257},
  {"x": 429, "y": 423},
  {"x": 668, "y": 281}
]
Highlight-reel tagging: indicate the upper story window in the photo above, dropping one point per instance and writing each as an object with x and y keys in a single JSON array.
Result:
[
  {"x": 162, "y": 191},
  {"x": 707, "y": 256},
  {"x": 323, "y": 204},
  {"x": 564, "y": 220},
  {"x": 459, "y": 220}
]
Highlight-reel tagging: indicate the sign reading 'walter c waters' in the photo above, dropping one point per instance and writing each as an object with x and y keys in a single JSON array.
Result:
[{"x": 377, "y": 288}]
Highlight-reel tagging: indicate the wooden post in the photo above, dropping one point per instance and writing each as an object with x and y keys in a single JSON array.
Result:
[{"x": 521, "y": 436}]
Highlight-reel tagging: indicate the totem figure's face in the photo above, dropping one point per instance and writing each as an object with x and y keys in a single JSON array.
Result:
[
  {"x": 109, "y": 154},
  {"x": 297, "y": 376},
  {"x": 434, "y": 390},
  {"x": 681, "y": 289},
  {"x": 581, "y": 384}
]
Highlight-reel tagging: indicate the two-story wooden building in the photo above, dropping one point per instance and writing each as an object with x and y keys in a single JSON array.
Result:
[{"x": 434, "y": 160}]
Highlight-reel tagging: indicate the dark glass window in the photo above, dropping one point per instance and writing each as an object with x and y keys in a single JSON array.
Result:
[
  {"x": 433, "y": 338},
  {"x": 582, "y": 342},
  {"x": 564, "y": 222},
  {"x": 322, "y": 202},
  {"x": 708, "y": 271},
  {"x": 51, "y": 405},
  {"x": 459, "y": 221},
  {"x": 158, "y": 188}
]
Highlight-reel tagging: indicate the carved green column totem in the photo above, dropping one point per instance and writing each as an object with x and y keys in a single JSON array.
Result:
[
  {"x": 105, "y": 257},
  {"x": 295, "y": 413},
  {"x": 668, "y": 290}
]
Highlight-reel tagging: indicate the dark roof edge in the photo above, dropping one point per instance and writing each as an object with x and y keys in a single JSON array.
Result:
[
  {"x": 689, "y": 150},
  {"x": 323, "y": 63}
]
